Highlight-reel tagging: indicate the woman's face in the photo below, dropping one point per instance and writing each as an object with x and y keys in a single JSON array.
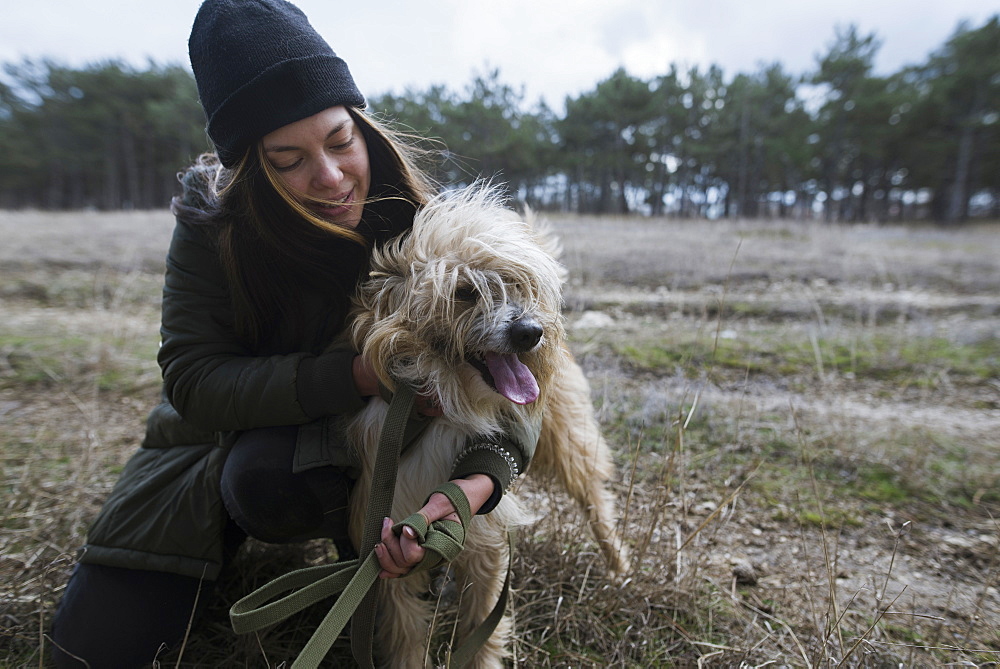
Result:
[{"x": 323, "y": 156}]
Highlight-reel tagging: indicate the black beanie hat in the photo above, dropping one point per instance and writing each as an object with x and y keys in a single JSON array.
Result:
[{"x": 260, "y": 65}]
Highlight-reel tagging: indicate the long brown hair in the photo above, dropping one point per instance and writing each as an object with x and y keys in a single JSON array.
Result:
[{"x": 274, "y": 250}]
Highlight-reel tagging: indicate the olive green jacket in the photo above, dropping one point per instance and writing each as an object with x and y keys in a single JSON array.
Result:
[{"x": 166, "y": 511}]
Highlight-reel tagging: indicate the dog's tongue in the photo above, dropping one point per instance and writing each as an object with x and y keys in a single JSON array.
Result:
[{"x": 512, "y": 378}]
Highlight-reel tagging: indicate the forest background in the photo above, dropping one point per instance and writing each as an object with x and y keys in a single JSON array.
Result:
[{"x": 838, "y": 143}]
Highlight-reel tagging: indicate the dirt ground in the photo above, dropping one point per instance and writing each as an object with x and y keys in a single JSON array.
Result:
[
  {"x": 913, "y": 561},
  {"x": 806, "y": 420},
  {"x": 911, "y": 564}
]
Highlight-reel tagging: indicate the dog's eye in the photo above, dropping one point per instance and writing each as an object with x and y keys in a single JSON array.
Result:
[{"x": 466, "y": 294}]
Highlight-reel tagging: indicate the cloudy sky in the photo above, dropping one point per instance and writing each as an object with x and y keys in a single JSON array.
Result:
[{"x": 553, "y": 47}]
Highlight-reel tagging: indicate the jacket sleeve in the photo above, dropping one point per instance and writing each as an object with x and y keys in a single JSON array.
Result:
[
  {"x": 502, "y": 457},
  {"x": 210, "y": 378}
]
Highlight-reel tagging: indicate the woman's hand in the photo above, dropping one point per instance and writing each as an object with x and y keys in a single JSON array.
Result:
[
  {"x": 366, "y": 383},
  {"x": 398, "y": 555},
  {"x": 364, "y": 377},
  {"x": 428, "y": 406}
]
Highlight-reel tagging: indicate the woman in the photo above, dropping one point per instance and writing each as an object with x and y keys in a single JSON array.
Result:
[{"x": 273, "y": 233}]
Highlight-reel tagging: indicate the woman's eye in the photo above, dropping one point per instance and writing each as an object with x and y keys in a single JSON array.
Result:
[
  {"x": 286, "y": 168},
  {"x": 343, "y": 145}
]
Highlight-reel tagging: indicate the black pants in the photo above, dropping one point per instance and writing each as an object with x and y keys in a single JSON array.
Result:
[{"x": 119, "y": 618}]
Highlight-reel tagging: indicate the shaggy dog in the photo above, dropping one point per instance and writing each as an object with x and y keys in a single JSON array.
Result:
[{"x": 467, "y": 307}]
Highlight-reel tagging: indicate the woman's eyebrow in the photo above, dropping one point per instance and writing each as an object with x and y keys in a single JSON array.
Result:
[{"x": 282, "y": 147}]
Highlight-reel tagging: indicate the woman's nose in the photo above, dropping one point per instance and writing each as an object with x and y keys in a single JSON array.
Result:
[{"x": 328, "y": 173}]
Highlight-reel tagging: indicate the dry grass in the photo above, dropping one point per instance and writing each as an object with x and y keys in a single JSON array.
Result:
[{"x": 804, "y": 418}]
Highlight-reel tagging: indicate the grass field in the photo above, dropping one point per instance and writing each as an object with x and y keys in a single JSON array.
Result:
[{"x": 806, "y": 420}]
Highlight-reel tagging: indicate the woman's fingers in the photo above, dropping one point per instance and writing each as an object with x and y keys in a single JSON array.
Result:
[
  {"x": 429, "y": 406},
  {"x": 397, "y": 555}
]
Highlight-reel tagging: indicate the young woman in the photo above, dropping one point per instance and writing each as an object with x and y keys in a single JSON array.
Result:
[{"x": 273, "y": 233}]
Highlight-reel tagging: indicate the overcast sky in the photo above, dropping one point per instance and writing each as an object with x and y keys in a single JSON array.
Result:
[{"x": 553, "y": 47}]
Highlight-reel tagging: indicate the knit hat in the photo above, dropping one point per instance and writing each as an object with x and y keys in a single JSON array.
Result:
[{"x": 260, "y": 65}]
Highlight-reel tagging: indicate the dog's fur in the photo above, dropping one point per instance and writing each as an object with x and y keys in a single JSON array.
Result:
[{"x": 436, "y": 302}]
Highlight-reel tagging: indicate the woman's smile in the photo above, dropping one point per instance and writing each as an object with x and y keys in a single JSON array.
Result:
[{"x": 343, "y": 206}]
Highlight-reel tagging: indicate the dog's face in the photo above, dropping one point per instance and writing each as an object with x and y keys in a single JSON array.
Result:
[{"x": 466, "y": 306}]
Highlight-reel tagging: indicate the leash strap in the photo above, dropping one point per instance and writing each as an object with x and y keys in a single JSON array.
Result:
[
  {"x": 463, "y": 654},
  {"x": 353, "y": 579},
  {"x": 444, "y": 539},
  {"x": 379, "y": 507}
]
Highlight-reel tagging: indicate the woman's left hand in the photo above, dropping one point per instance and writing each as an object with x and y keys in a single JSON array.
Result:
[
  {"x": 398, "y": 555},
  {"x": 428, "y": 406},
  {"x": 366, "y": 383}
]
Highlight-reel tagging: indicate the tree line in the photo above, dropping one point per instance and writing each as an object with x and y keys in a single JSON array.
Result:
[{"x": 839, "y": 142}]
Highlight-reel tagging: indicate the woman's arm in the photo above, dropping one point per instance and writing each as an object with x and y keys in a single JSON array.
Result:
[{"x": 212, "y": 379}]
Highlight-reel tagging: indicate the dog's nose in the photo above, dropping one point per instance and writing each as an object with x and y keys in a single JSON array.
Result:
[{"x": 525, "y": 333}]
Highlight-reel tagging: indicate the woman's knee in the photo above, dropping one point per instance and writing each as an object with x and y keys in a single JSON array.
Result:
[
  {"x": 270, "y": 502},
  {"x": 267, "y": 507}
]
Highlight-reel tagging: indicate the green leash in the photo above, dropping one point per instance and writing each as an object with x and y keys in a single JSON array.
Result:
[{"x": 354, "y": 579}]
